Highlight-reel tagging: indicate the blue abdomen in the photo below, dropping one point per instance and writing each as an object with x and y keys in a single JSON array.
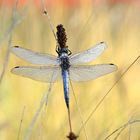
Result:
[{"x": 65, "y": 76}]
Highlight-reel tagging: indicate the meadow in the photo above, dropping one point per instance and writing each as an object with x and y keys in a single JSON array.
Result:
[{"x": 86, "y": 24}]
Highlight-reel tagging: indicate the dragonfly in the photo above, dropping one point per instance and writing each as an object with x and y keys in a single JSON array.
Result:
[{"x": 66, "y": 66}]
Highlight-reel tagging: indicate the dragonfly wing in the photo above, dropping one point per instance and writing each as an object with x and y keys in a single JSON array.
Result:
[
  {"x": 85, "y": 73},
  {"x": 88, "y": 55},
  {"x": 34, "y": 57},
  {"x": 43, "y": 74}
]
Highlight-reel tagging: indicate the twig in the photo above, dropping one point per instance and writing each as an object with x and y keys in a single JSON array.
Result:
[
  {"x": 14, "y": 23},
  {"x": 19, "y": 130},
  {"x": 6, "y": 59},
  {"x": 45, "y": 12},
  {"x": 9, "y": 32},
  {"x": 9, "y": 43},
  {"x": 129, "y": 134},
  {"x": 45, "y": 97},
  {"x": 121, "y": 127},
  {"x": 119, "y": 133},
  {"x": 79, "y": 110},
  {"x": 101, "y": 101},
  {"x": 43, "y": 102}
]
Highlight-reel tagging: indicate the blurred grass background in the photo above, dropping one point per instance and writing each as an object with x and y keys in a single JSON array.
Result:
[{"x": 86, "y": 23}]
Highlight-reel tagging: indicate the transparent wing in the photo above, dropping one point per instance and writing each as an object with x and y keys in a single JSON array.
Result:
[
  {"x": 88, "y": 55},
  {"x": 85, "y": 73},
  {"x": 43, "y": 74},
  {"x": 34, "y": 57}
]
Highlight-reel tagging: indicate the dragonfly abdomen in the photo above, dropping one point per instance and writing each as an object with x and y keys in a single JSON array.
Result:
[{"x": 65, "y": 76}]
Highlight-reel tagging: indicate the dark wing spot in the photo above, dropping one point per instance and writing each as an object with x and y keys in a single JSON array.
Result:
[
  {"x": 102, "y": 42},
  {"x": 16, "y": 46},
  {"x": 17, "y": 67},
  {"x": 111, "y": 64}
]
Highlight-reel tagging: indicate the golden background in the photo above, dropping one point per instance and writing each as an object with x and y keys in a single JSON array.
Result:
[{"x": 87, "y": 23}]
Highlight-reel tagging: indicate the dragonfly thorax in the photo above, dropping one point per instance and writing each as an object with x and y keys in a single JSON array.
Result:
[
  {"x": 63, "y": 51},
  {"x": 64, "y": 61}
]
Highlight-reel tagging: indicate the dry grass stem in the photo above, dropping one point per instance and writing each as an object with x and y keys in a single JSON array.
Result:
[
  {"x": 14, "y": 23},
  {"x": 43, "y": 102},
  {"x": 45, "y": 12},
  {"x": 101, "y": 101},
  {"x": 122, "y": 128},
  {"x": 20, "y": 124},
  {"x": 79, "y": 110}
]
